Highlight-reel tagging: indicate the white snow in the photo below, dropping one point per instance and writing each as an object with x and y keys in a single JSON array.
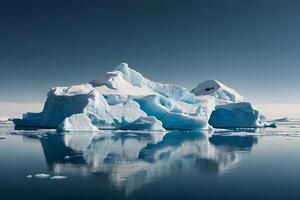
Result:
[
  {"x": 125, "y": 81},
  {"x": 124, "y": 99},
  {"x": 218, "y": 90}
]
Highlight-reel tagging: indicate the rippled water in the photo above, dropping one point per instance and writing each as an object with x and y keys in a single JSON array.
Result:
[{"x": 243, "y": 164}]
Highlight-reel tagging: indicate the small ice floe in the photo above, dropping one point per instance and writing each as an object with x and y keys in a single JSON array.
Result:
[
  {"x": 42, "y": 175},
  {"x": 58, "y": 177},
  {"x": 284, "y": 119},
  {"x": 295, "y": 126},
  {"x": 67, "y": 157},
  {"x": 3, "y": 137},
  {"x": 29, "y": 176}
]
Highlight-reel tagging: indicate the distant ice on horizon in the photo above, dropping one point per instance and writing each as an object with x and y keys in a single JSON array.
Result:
[{"x": 277, "y": 111}]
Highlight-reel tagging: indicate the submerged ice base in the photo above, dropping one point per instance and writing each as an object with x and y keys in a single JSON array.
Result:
[{"x": 125, "y": 100}]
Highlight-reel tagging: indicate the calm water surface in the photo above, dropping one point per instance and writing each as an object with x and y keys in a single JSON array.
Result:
[{"x": 257, "y": 164}]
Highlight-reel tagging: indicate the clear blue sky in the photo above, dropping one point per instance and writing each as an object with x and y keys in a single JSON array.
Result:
[{"x": 252, "y": 46}]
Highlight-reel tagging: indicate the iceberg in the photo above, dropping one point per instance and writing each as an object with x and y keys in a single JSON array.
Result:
[
  {"x": 42, "y": 175},
  {"x": 232, "y": 109},
  {"x": 236, "y": 115},
  {"x": 61, "y": 103},
  {"x": 29, "y": 176},
  {"x": 4, "y": 119},
  {"x": 125, "y": 100},
  {"x": 58, "y": 177}
]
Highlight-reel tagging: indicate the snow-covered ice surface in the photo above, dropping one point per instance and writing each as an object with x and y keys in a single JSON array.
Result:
[
  {"x": 218, "y": 90},
  {"x": 125, "y": 100}
]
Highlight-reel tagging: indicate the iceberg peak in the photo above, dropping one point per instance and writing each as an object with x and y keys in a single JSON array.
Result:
[
  {"x": 218, "y": 90},
  {"x": 123, "y": 67}
]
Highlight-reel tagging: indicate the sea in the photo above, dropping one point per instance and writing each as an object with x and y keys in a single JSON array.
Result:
[{"x": 220, "y": 164}]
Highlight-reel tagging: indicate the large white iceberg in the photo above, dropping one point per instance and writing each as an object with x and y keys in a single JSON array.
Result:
[{"x": 124, "y": 99}]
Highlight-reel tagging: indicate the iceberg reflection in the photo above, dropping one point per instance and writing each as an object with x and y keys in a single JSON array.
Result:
[{"x": 130, "y": 160}]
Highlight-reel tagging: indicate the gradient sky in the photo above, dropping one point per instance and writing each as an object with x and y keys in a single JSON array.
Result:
[{"x": 250, "y": 45}]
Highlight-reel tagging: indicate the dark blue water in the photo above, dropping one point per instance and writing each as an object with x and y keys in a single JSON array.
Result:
[{"x": 258, "y": 164}]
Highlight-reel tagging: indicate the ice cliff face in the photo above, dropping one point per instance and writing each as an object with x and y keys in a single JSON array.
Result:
[
  {"x": 236, "y": 115},
  {"x": 77, "y": 122},
  {"x": 124, "y": 99}
]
